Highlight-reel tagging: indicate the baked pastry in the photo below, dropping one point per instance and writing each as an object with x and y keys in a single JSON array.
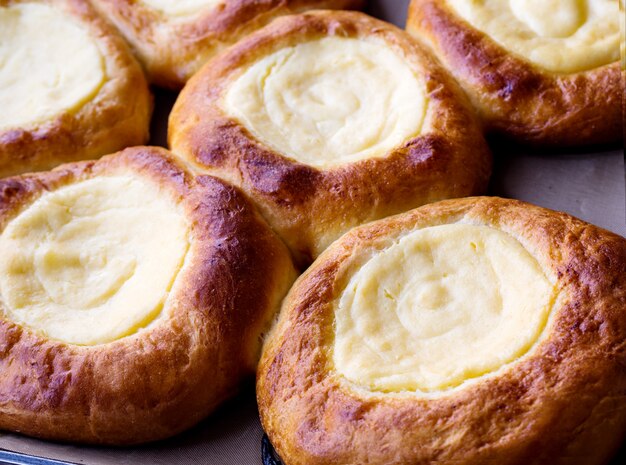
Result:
[
  {"x": 541, "y": 72},
  {"x": 328, "y": 120},
  {"x": 70, "y": 88},
  {"x": 133, "y": 298},
  {"x": 465, "y": 332},
  {"x": 174, "y": 39}
]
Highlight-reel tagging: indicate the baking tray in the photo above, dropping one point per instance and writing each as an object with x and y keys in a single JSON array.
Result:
[{"x": 589, "y": 184}]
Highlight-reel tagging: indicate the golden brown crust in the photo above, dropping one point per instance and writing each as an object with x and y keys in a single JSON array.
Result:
[
  {"x": 171, "y": 50},
  {"x": 117, "y": 117},
  {"x": 515, "y": 97},
  {"x": 165, "y": 378},
  {"x": 311, "y": 207},
  {"x": 563, "y": 403}
]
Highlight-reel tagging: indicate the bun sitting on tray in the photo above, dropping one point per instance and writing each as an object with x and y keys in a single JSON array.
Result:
[
  {"x": 539, "y": 71},
  {"x": 133, "y": 298},
  {"x": 470, "y": 331},
  {"x": 328, "y": 120},
  {"x": 70, "y": 88},
  {"x": 173, "y": 39}
]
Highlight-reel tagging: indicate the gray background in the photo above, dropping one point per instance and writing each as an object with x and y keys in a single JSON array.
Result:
[{"x": 589, "y": 184}]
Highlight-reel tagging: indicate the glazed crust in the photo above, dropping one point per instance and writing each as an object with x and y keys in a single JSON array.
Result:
[
  {"x": 171, "y": 50},
  {"x": 515, "y": 97},
  {"x": 311, "y": 207},
  {"x": 562, "y": 403},
  {"x": 117, "y": 117},
  {"x": 165, "y": 378}
]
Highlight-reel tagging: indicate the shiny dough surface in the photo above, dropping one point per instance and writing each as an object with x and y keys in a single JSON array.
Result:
[
  {"x": 561, "y": 36},
  {"x": 49, "y": 64},
  {"x": 92, "y": 262},
  {"x": 440, "y": 306},
  {"x": 180, "y": 7},
  {"x": 330, "y": 101}
]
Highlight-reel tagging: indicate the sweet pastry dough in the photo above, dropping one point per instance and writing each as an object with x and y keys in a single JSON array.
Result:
[
  {"x": 174, "y": 39},
  {"x": 329, "y": 120},
  {"x": 133, "y": 298},
  {"x": 469, "y": 331},
  {"x": 69, "y": 86},
  {"x": 542, "y": 72}
]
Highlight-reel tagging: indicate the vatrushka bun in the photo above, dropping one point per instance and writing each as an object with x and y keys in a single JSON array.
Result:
[
  {"x": 173, "y": 39},
  {"x": 328, "y": 120},
  {"x": 539, "y": 71},
  {"x": 70, "y": 88},
  {"x": 133, "y": 298},
  {"x": 466, "y": 332}
]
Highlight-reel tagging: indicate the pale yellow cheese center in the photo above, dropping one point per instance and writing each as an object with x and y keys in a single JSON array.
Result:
[
  {"x": 622, "y": 30},
  {"x": 562, "y": 36},
  {"x": 180, "y": 7},
  {"x": 92, "y": 262},
  {"x": 49, "y": 64},
  {"x": 440, "y": 306},
  {"x": 330, "y": 101}
]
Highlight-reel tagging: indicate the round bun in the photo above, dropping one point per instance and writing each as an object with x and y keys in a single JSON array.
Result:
[
  {"x": 469, "y": 331},
  {"x": 174, "y": 39},
  {"x": 328, "y": 120},
  {"x": 544, "y": 73},
  {"x": 69, "y": 85},
  {"x": 153, "y": 290}
]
